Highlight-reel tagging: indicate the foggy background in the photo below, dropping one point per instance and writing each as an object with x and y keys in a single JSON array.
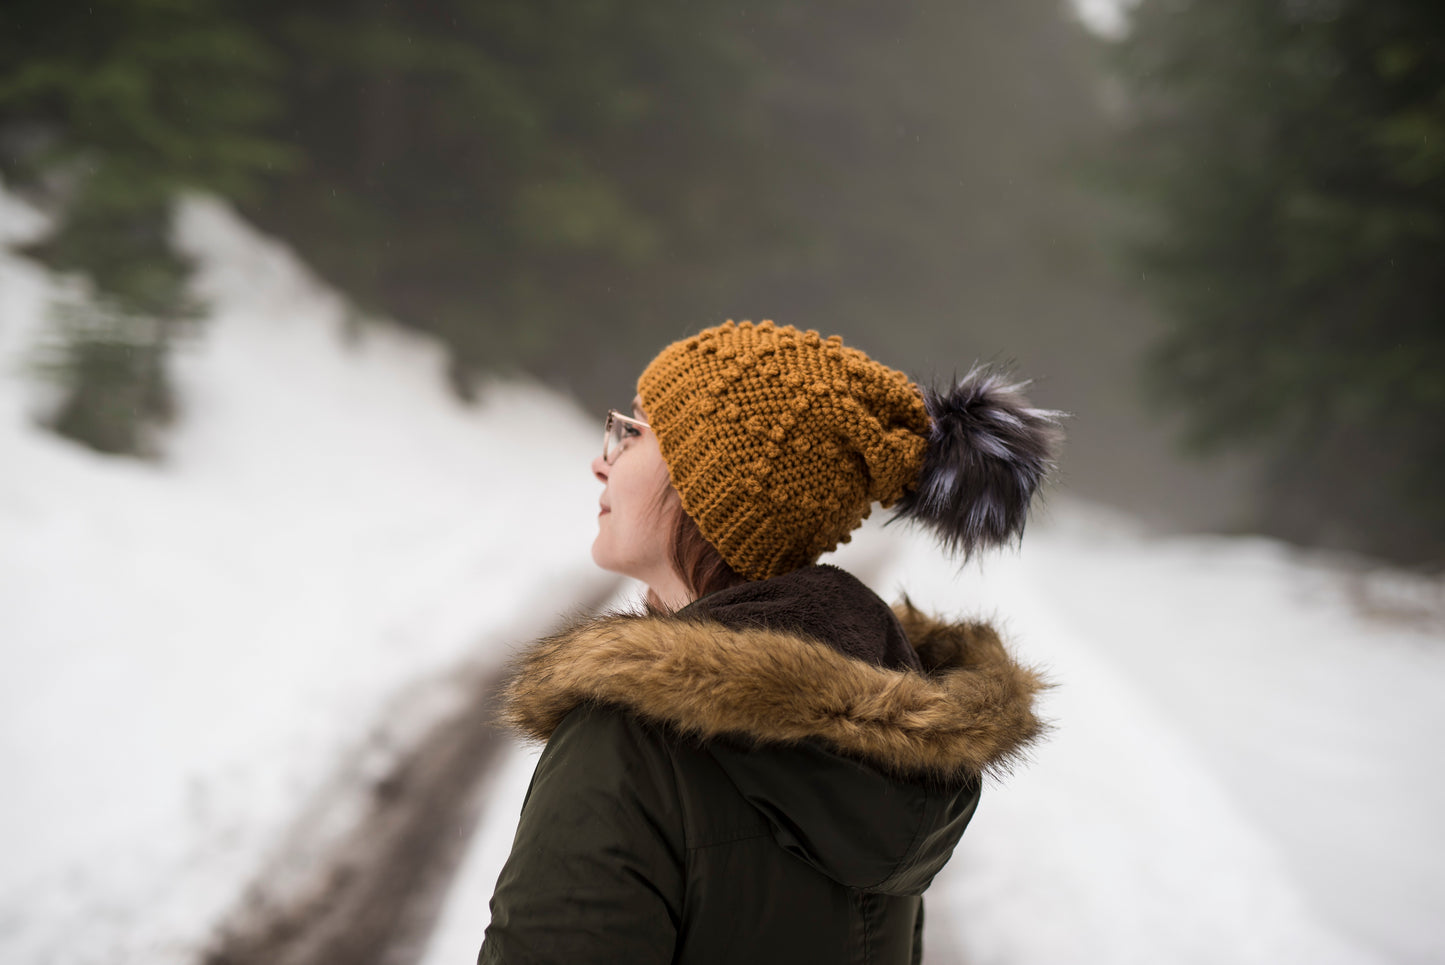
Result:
[
  {"x": 1237, "y": 210},
  {"x": 309, "y": 315}
]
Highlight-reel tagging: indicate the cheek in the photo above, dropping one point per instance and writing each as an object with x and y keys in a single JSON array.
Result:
[{"x": 638, "y": 530}]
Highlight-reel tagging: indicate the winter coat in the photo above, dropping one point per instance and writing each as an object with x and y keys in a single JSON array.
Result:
[{"x": 773, "y": 774}]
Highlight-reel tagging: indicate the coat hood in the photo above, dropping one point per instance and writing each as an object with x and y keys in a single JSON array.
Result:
[{"x": 861, "y": 732}]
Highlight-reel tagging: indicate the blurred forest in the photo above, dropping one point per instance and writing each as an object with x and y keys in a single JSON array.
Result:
[
  {"x": 561, "y": 188},
  {"x": 1288, "y": 163}
]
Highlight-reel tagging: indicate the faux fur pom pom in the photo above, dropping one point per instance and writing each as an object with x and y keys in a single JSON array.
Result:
[{"x": 988, "y": 453}]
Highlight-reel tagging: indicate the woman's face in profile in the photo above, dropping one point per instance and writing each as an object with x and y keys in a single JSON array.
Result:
[{"x": 632, "y": 531}]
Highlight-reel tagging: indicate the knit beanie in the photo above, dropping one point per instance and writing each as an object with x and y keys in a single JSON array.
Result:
[{"x": 779, "y": 442}]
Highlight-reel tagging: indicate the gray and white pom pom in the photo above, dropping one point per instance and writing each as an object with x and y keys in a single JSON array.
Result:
[{"x": 988, "y": 453}]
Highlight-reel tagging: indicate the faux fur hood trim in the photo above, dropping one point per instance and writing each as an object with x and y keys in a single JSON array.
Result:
[{"x": 968, "y": 714}]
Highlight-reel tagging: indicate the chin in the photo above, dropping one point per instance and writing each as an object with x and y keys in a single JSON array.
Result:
[{"x": 603, "y": 558}]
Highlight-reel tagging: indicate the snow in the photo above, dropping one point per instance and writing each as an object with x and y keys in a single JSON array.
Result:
[
  {"x": 193, "y": 647},
  {"x": 199, "y": 649}
]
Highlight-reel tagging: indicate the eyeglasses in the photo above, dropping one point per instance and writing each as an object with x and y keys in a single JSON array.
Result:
[{"x": 616, "y": 433}]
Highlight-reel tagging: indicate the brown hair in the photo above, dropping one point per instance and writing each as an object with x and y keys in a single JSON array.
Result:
[
  {"x": 701, "y": 566},
  {"x": 697, "y": 561}
]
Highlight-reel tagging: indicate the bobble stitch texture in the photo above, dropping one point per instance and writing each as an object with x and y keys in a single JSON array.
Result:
[{"x": 766, "y": 422}]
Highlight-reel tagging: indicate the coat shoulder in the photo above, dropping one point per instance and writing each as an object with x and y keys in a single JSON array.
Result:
[
  {"x": 600, "y": 741},
  {"x": 597, "y": 863}
]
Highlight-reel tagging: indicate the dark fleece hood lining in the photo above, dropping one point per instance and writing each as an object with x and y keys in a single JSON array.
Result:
[{"x": 820, "y": 603}]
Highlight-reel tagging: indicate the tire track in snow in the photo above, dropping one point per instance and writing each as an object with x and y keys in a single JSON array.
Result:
[{"x": 361, "y": 877}]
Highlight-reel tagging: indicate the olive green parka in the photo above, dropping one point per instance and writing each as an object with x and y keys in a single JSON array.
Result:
[{"x": 773, "y": 774}]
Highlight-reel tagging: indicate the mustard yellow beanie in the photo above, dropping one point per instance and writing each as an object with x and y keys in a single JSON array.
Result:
[{"x": 780, "y": 441}]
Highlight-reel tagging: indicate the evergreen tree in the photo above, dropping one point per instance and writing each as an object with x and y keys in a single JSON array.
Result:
[
  {"x": 1289, "y": 158},
  {"x": 561, "y": 187},
  {"x": 490, "y": 172},
  {"x": 109, "y": 110},
  {"x": 546, "y": 185}
]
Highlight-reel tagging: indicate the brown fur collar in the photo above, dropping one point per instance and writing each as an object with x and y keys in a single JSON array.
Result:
[{"x": 970, "y": 712}]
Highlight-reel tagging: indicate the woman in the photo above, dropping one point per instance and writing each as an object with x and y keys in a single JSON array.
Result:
[{"x": 770, "y": 764}]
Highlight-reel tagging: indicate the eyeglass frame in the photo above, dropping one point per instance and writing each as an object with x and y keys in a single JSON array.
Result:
[{"x": 609, "y": 454}]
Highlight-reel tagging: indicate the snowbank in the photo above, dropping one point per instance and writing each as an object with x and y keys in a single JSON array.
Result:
[{"x": 193, "y": 648}]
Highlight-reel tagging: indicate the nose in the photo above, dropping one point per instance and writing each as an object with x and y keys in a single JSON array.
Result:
[{"x": 600, "y": 469}]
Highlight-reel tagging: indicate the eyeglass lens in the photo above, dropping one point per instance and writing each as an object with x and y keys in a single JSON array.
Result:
[{"x": 612, "y": 438}]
